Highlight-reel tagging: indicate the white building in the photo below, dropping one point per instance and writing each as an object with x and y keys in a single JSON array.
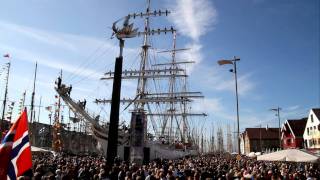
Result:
[{"x": 311, "y": 133}]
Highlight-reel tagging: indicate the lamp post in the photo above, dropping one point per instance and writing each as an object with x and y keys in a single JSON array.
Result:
[
  {"x": 278, "y": 114},
  {"x": 234, "y": 70}
]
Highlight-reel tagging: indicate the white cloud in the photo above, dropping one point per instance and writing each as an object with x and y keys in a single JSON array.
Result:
[
  {"x": 292, "y": 108},
  {"x": 193, "y": 18},
  {"x": 212, "y": 104},
  {"x": 38, "y": 35},
  {"x": 194, "y": 54},
  {"x": 244, "y": 84},
  {"x": 81, "y": 54},
  {"x": 214, "y": 107},
  {"x": 219, "y": 79},
  {"x": 48, "y": 61}
]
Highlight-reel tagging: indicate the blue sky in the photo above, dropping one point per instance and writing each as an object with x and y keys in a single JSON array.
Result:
[{"x": 277, "y": 41}]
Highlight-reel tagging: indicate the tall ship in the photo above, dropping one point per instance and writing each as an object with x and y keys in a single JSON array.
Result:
[{"x": 161, "y": 107}]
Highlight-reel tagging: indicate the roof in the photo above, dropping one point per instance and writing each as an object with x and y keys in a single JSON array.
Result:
[
  {"x": 316, "y": 112},
  {"x": 297, "y": 126},
  {"x": 270, "y": 133}
]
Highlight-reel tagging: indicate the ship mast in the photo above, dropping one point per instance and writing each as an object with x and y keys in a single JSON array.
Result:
[
  {"x": 57, "y": 141},
  {"x": 169, "y": 70},
  {"x": 172, "y": 83},
  {"x": 142, "y": 80},
  {"x": 5, "y": 96},
  {"x": 33, "y": 93},
  {"x": 171, "y": 105}
]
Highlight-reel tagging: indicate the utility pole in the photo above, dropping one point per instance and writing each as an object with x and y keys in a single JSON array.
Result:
[
  {"x": 234, "y": 70},
  {"x": 229, "y": 139},
  {"x": 277, "y": 110},
  {"x": 235, "y": 142},
  {"x": 236, "y": 79},
  {"x": 260, "y": 139}
]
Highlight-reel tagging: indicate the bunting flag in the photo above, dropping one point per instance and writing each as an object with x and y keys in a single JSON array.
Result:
[
  {"x": 15, "y": 150},
  {"x": 222, "y": 62},
  {"x": 48, "y": 108},
  {"x": 6, "y": 55}
]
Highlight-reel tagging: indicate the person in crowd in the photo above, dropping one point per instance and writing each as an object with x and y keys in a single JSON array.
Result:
[{"x": 205, "y": 167}]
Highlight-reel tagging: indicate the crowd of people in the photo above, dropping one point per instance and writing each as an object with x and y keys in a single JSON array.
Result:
[{"x": 201, "y": 167}]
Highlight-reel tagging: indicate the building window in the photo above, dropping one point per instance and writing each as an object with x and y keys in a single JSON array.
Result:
[
  {"x": 306, "y": 143},
  {"x": 308, "y": 132},
  {"x": 319, "y": 127},
  {"x": 311, "y": 117},
  {"x": 310, "y": 143}
]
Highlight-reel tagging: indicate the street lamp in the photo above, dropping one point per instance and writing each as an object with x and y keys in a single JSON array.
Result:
[
  {"x": 234, "y": 70},
  {"x": 278, "y": 114}
]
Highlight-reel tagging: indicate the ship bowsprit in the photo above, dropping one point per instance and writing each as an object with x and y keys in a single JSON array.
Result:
[{"x": 100, "y": 132}]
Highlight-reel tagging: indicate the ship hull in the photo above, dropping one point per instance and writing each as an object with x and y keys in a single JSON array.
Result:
[{"x": 156, "y": 149}]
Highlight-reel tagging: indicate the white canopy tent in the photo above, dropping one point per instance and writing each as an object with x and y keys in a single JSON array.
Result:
[
  {"x": 293, "y": 155},
  {"x": 37, "y": 149}
]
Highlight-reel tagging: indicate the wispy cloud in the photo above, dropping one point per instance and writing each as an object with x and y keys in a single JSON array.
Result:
[
  {"x": 38, "y": 35},
  {"x": 193, "y": 19},
  {"x": 76, "y": 54},
  {"x": 48, "y": 61},
  {"x": 229, "y": 85},
  {"x": 218, "y": 79},
  {"x": 292, "y": 108},
  {"x": 214, "y": 108}
]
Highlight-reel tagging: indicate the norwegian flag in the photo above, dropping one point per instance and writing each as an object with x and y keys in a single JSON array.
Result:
[{"x": 15, "y": 150}]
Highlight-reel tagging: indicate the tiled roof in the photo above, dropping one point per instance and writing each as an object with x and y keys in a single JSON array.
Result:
[
  {"x": 316, "y": 112},
  {"x": 298, "y": 126},
  {"x": 270, "y": 133}
]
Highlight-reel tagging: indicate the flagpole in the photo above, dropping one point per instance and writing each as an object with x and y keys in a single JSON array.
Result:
[{"x": 5, "y": 97}]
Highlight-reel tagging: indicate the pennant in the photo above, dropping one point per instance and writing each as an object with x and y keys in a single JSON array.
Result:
[
  {"x": 48, "y": 108},
  {"x": 222, "y": 62},
  {"x": 6, "y": 55},
  {"x": 15, "y": 150}
]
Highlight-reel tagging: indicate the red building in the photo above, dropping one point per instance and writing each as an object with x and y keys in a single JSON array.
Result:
[
  {"x": 259, "y": 140},
  {"x": 292, "y": 133}
]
